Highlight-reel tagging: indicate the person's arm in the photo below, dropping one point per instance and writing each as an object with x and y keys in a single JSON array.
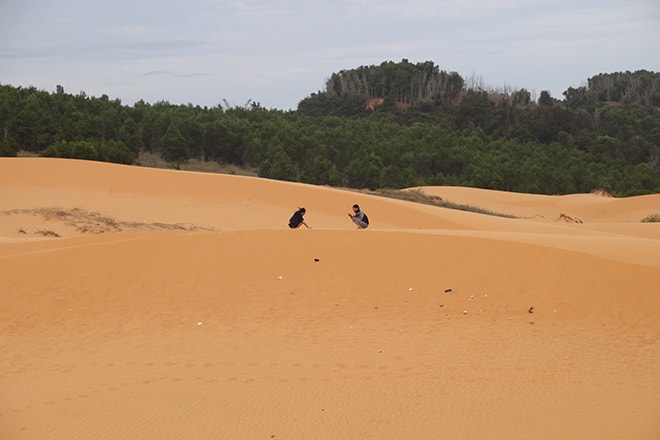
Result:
[{"x": 306, "y": 225}]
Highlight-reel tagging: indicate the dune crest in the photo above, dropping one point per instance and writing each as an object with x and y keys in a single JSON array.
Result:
[
  {"x": 590, "y": 208},
  {"x": 171, "y": 305}
]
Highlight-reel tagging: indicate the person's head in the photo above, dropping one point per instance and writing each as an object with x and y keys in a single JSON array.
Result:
[
  {"x": 356, "y": 207},
  {"x": 302, "y": 211}
]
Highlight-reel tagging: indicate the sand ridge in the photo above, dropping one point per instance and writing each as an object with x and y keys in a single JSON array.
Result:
[
  {"x": 572, "y": 208},
  {"x": 179, "y": 305}
]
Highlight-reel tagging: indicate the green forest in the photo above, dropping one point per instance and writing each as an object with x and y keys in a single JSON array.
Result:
[{"x": 394, "y": 125}]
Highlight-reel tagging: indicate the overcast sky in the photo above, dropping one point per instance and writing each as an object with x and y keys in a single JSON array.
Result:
[{"x": 277, "y": 52}]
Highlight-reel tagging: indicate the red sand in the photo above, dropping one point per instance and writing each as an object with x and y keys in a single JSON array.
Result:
[{"x": 179, "y": 305}]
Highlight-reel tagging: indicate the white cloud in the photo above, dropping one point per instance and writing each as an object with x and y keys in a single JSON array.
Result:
[{"x": 278, "y": 52}]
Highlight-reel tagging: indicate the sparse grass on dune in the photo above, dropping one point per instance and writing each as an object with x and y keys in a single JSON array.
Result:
[
  {"x": 94, "y": 222},
  {"x": 24, "y": 153},
  {"x": 152, "y": 160},
  {"x": 417, "y": 196},
  {"x": 653, "y": 218}
]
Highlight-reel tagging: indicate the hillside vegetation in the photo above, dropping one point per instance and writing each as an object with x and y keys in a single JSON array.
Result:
[{"x": 394, "y": 125}]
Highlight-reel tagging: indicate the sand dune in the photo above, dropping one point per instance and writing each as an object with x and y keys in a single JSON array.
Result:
[
  {"x": 587, "y": 208},
  {"x": 141, "y": 303}
]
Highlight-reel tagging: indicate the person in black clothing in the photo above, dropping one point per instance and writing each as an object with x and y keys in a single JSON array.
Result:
[
  {"x": 359, "y": 217},
  {"x": 297, "y": 219}
]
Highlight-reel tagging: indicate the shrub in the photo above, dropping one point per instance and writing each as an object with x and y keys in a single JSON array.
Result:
[{"x": 653, "y": 218}]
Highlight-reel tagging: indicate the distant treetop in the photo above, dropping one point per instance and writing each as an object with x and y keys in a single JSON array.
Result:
[{"x": 403, "y": 82}]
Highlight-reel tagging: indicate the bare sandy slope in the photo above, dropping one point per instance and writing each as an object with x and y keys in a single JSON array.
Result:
[
  {"x": 576, "y": 208},
  {"x": 152, "y": 304}
]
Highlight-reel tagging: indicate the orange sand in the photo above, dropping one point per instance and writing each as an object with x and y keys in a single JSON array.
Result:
[{"x": 150, "y": 304}]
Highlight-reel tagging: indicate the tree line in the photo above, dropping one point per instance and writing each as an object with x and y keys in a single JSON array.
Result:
[{"x": 390, "y": 126}]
